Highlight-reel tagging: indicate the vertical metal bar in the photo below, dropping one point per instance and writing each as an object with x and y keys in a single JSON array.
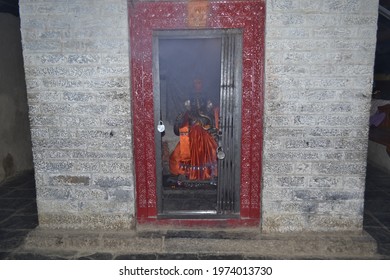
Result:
[
  {"x": 229, "y": 128},
  {"x": 224, "y": 123},
  {"x": 221, "y": 100}
]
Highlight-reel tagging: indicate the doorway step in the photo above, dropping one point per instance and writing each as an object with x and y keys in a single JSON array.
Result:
[{"x": 194, "y": 244}]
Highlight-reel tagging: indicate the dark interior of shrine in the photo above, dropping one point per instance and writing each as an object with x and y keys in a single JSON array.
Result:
[{"x": 190, "y": 71}]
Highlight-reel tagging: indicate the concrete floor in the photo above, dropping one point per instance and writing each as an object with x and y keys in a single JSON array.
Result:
[{"x": 18, "y": 218}]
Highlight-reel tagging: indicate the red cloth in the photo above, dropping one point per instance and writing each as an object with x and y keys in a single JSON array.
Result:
[{"x": 195, "y": 154}]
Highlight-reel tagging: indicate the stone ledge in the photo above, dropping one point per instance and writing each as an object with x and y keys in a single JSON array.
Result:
[{"x": 75, "y": 244}]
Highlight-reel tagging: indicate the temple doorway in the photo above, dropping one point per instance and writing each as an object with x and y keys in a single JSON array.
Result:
[
  {"x": 197, "y": 97},
  {"x": 197, "y": 71}
]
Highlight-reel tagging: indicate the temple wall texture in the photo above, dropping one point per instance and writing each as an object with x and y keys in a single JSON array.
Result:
[
  {"x": 319, "y": 70},
  {"x": 319, "y": 67},
  {"x": 76, "y": 56}
]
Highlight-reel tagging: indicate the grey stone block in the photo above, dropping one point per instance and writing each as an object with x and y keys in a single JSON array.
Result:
[
  {"x": 305, "y": 120},
  {"x": 119, "y": 109},
  {"x": 298, "y": 207},
  {"x": 312, "y": 95},
  {"x": 292, "y": 44},
  {"x": 271, "y": 193},
  {"x": 116, "y": 166},
  {"x": 309, "y": 143},
  {"x": 83, "y": 58},
  {"x": 104, "y": 44},
  {"x": 343, "y": 207},
  {"x": 351, "y": 144},
  {"x": 328, "y": 195},
  {"x": 43, "y": 34},
  {"x": 278, "y": 121},
  {"x": 113, "y": 181},
  {"x": 302, "y": 168},
  {"x": 47, "y": 96},
  {"x": 55, "y": 166},
  {"x": 115, "y": 59},
  {"x": 285, "y": 19},
  {"x": 335, "y": 222},
  {"x": 115, "y": 121},
  {"x": 109, "y": 83},
  {"x": 83, "y": 194},
  {"x": 356, "y": 183},
  {"x": 78, "y": 220},
  {"x": 41, "y": 46},
  {"x": 278, "y": 167},
  {"x": 52, "y": 193},
  {"x": 335, "y": 120},
  {"x": 65, "y": 83},
  {"x": 113, "y": 95},
  {"x": 69, "y": 180},
  {"x": 284, "y": 223},
  {"x": 324, "y": 182},
  {"x": 332, "y": 156},
  {"x": 43, "y": 59},
  {"x": 284, "y": 5},
  {"x": 84, "y": 166},
  {"x": 77, "y": 96},
  {"x": 79, "y": 121},
  {"x": 59, "y": 143},
  {"x": 57, "y": 154},
  {"x": 290, "y": 182},
  {"x": 97, "y": 155},
  {"x": 338, "y": 168},
  {"x": 340, "y": 6},
  {"x": 32, "y": 22},
  {"x": 121, "y": 194},
  {"x": 278, "y": 132},
  {"x": 291, "y": 155}
]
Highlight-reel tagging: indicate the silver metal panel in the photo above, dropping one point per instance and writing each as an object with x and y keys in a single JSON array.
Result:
[{"x": 230, "y": 123}]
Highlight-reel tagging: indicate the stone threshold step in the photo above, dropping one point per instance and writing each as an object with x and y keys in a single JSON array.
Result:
[{"x": 329, "y": 245}]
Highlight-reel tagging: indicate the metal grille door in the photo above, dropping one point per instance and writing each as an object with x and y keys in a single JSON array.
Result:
[{"x": 230, "y": 119}]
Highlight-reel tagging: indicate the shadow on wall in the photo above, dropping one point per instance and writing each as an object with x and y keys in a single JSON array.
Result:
[
  {"x": 8, "y": 166},
  {"x": 15, "y": 139}
]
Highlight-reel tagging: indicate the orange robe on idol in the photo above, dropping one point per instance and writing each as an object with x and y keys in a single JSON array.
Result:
[{"x": 195, "y": 155}]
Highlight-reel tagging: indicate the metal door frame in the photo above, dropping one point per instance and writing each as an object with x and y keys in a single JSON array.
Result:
[{"x": 230, "y": 88}]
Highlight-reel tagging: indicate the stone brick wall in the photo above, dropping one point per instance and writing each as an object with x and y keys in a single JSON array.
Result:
[
  {"x": 319, "y": 64},
  {"x": 319, "y": 68},
  {"x": 76, "y": 56}
]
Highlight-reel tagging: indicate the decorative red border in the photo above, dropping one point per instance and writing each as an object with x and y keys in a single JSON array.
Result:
[{"x": 148, "y": 16}]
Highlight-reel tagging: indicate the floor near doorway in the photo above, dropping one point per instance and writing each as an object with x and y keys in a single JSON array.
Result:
[
  {"x": 18, "y": 211},
  {"x": 18, "y": 218},
  {"x": 377, "y": 208}
]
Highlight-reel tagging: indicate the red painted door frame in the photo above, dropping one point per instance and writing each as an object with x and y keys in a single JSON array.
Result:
[{"x": 148, "y": 16}]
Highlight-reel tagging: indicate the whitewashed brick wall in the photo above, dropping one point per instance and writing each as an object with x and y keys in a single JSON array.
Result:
[
  {"x": 76, "y": 56},
  {"x": 319, "y": 70}
]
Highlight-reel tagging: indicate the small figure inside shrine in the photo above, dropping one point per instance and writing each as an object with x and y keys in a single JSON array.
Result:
[{"x": 195, "y": 155}]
